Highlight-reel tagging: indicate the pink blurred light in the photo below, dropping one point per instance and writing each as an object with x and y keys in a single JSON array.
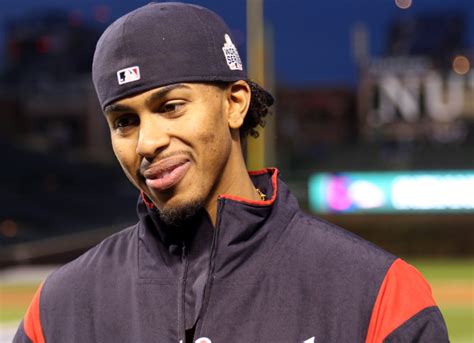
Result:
[{"x": 403, "y": 4}]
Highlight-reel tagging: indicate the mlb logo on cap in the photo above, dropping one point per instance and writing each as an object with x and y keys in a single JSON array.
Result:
[{"x": 128, "y": 75}]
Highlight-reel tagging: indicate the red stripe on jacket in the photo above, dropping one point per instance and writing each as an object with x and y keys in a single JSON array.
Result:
[
  {"x": 404, "y": 293},
  {"x": 274, "y": 173},
  {"x": 32, "y": 322}
]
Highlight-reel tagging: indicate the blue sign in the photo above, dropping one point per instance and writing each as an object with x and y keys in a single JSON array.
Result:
[{"x": 389, "y": 192}]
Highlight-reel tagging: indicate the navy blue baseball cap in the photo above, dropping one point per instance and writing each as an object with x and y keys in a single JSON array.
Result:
[{"x": 160, "y": 44}]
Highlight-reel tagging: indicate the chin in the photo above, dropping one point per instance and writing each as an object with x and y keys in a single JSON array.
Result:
[{"x": 178, "y": 214}]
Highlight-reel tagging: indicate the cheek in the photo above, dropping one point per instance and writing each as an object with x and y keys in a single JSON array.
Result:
[
  {"x": 216, "y": 142},
  {"x": 209, "y": 139},
  {"x": 119, "y": 152},
  {"x": 210, "y": 124},
  {"x": 126, "y": 160}
]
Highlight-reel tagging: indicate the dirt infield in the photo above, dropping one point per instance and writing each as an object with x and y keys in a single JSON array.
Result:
[
  {"x": 453, "y": 293},
  {"x": 20, "y": 296}
]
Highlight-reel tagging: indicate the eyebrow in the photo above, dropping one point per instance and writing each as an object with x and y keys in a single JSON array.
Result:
[
  {"x": 163, "y": 91},
  {"x": 116, "y": 108},
  {"x": 157, "y": 95}
]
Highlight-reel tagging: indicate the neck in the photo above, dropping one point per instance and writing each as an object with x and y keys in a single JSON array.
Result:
[{"x": 235, "y": 181}]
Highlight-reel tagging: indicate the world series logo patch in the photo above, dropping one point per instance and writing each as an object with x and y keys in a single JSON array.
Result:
[
  {"x": 128, "y": 75},
  {"x": 231, "y": 54}
]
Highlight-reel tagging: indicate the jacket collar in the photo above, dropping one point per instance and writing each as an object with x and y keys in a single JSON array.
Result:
[{"x": 242, "y": 224}]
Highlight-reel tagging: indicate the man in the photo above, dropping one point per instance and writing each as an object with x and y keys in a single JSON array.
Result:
[{"x": 218, "y": 255}]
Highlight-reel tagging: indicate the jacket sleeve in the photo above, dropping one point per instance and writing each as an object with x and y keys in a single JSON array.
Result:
[
  {"x": 405, "y": 310},
  {"x": 30, "y": 330}
]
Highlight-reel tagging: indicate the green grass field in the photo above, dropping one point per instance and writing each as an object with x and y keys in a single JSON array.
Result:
[{"x": 452, "y": 282}]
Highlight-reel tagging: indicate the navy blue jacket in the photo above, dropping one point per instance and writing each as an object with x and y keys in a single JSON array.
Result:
[{"x": 266, "y": 273}]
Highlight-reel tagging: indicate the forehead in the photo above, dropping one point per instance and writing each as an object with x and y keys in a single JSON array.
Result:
[{"x": 160, "y": 93}]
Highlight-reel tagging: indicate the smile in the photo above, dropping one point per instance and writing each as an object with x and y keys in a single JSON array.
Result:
[{"x": 166, "y": 173}]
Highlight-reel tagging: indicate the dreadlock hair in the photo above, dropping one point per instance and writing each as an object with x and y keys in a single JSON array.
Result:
[{"x": 260, "y": 102}]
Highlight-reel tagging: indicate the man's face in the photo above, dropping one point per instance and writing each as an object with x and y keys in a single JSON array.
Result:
[{"x": 173, "y": 143}]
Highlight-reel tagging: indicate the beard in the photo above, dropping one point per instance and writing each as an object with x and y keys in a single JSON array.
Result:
[{"x": 179, "y": 215}]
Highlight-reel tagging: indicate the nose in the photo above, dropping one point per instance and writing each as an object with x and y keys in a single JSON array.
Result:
[{"x": 153, "y": 137}]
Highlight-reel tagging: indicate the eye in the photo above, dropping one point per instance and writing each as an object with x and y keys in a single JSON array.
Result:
[
  {"x": 171, "y": 107},
  {"x": 125, "y": 121}
]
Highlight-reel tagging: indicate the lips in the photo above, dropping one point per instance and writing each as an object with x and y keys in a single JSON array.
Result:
[{"x": 166, "y": 173}]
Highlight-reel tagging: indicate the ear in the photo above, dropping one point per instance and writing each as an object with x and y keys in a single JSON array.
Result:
[{"x": 238, "y": 98}]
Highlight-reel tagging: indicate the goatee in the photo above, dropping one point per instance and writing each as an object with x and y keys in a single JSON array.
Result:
[{"x": 179, "y": 215}]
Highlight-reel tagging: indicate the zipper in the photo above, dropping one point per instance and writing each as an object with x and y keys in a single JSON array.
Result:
[
  {"x": 182, "y": 299},
  {"x": 210, "y": 276}
]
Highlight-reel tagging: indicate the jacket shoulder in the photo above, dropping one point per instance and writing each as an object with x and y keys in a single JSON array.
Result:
[
  {"x": 116, "y": 251},
  {"x": 349, "y": 264},
  {"x": 60, "y": 292},
  {"x": 343, "y": 246},
  {"x": 396, "y": 295},
  {"x": 405, "y": 309}
]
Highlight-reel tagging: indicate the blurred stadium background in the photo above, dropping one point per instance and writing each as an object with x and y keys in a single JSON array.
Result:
[{"x": 373, "y": 129}]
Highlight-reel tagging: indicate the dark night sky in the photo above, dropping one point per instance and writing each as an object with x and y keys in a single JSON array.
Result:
[{"x": 312, "y": 37}]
